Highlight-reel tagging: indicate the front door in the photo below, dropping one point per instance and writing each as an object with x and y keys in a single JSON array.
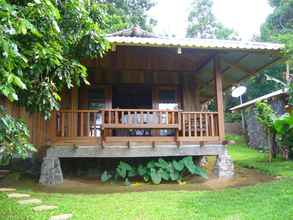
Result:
[{"x": 132, "y": 97}]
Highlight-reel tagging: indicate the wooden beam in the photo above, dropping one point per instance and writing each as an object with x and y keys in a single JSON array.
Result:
[
  {"x": 245, "y": 77},
  {"x": 258, "y": 69},
  {"x": 154, "y": 70},
  {"x": 204, "y": 62},
  {"x": 227, "y": 68},
  {"x": 219, "y": 96},
  {"x": 237, "y": 61},
  {"x": 236, "y": 65},
  {"x": 269, "y": 64}
]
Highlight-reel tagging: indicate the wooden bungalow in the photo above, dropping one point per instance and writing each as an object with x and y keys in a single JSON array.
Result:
[{"x": 147, "y": 98}]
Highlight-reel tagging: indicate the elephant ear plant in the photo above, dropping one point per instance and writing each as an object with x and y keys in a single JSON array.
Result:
[{"x": 156, "y": 171}]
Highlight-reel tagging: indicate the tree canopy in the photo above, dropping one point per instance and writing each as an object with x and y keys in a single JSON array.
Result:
[
  {"x": 42, "y": 43},
  {"x": 131, "y": 12},
  {"x": 202, "y": 23}
]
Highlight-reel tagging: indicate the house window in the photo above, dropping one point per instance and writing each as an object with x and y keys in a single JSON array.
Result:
[
  {"x": 96, "y": 98},
  {"x": 167, "y": 99}
]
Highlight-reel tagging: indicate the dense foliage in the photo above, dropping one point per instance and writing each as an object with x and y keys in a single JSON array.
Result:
[
  {"x": 14, "y": 135},
  {"x": 130, "y": 13},
  {"x": 155, "y": 171},
  {"x": 279, "y": 28},
  {"x": 280, "y": 128},
  {"x": 42, "y": 44},
  {"x": 203, "y": 24}
]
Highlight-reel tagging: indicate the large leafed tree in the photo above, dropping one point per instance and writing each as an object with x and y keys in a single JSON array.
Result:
[
  {"x": 132, "y": 12},
  {"x": 41, "y": 45}
]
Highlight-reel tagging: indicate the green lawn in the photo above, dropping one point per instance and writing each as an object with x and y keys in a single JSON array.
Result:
[
  {"x": 250, "y": 158},
  {"x": 264, "y": 201}
]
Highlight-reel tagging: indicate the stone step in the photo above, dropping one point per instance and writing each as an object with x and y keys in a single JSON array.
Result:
[
  {"x": 3, "y": 173},
  {"x": 3, "y": 189},
  {"x": 18, "y": 195},
  {"x": 44, "y": 208},
  {"x": 29, "y": 201},
  {"x": 61, "y": 217}
]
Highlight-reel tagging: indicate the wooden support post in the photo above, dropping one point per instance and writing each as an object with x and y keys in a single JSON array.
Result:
[
  {"x": 219, "y": 96},
  {"x": 201, "y": 143},
  {"x": 52, "y": 129},
  {"x": 74, "y": 108}
]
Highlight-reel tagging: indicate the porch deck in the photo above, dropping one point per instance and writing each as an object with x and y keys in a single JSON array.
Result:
[{"x": 125, "y": 127}]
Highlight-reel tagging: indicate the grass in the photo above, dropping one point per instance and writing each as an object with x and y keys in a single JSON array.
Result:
[
  {"x": 263, "y": 201},
  {"x": 250, "y": 158}
]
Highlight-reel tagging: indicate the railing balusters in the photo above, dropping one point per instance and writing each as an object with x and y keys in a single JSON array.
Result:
[
  {"x": 116, "y": 117},
  {"x": 95, "y": 124},
  {"x": 128, "y": 118},
  {"x": 200, "y": 124},
  {"x": 190, "y": 125},
  {"x": 195, "y": 124},
  {"x": 81, "y": 124},
  {"x": 62, "y": 124},
  {"x": 141, "y": 117},
  {"x": 207, "y": 124},
  {"x": 122, "y": 118},
  {"x": 184, "y": 125},
  {"x": 212, "y": 124}
]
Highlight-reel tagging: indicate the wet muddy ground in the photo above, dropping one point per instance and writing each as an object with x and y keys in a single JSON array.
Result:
[{"x": 243, "y": 177}]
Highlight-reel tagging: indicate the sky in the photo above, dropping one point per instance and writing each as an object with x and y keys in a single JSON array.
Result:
[{"x": 244, "y": 16}]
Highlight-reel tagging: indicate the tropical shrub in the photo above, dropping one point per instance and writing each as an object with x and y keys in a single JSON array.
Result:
[
  {"x": 14, "y": 138},
  {"x": 155, "y": 171},
  {"x": 266, "y": 116},
  {"x": 280, "y": 128},
  {"x": 284, "y": 129}
]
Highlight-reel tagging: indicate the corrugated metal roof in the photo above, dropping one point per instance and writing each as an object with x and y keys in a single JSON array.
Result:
[
  {"x": 192, "y": 43},
  {"x": 253, "y": 101},
  {"x": 134, "y": 32}
]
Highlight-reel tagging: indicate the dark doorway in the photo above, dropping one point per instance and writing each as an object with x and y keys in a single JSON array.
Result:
[{"x": 132, "y": 97}]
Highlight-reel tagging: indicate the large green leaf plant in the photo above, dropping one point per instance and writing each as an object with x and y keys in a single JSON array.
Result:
[{"x": 156, "y": 171}]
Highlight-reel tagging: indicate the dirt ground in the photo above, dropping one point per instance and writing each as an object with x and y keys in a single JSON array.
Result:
[{"x": 243, "y": 177}]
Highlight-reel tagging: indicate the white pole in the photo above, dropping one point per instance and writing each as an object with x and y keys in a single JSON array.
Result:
[{"x": 242, "y": 116}]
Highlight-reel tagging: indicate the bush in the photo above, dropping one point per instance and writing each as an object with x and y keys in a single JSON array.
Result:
[{"x": 14, "y": 138}]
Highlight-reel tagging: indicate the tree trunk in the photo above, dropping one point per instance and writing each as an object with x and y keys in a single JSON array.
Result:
[
  {"x": 274, "y": 145},
  {"x": 269, "y": 145}
]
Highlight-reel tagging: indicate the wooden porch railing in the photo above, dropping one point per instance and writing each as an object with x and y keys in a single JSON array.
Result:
[
  {"x": 137, "y": 123},
  {"x": 200, "y": 124},
  {"x": 140, "y": 118}
]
